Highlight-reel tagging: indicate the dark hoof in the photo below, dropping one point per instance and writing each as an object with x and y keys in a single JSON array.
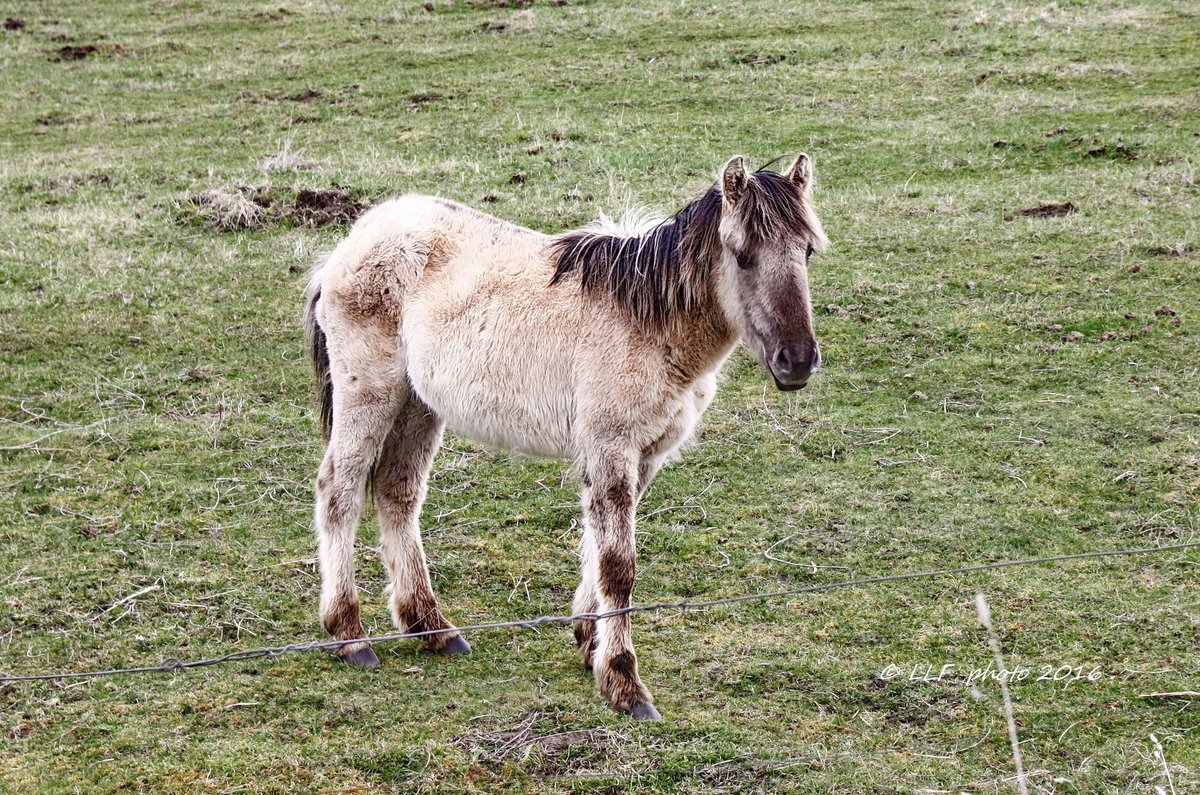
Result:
[
  {"x": 458, "y": 645},
  {"x": 644, "y": 710},
  {"x": 364, "y": 657}
]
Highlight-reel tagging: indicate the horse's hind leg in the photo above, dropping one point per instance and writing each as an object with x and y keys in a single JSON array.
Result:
[
  {"x": 360, "y": 423},
  {"x": 586, "y": 601},
  {"x": 401, "y": 480}
]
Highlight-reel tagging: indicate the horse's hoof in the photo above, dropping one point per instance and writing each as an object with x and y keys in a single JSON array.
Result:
[
  {"x": 364, "y": 657},
  {"x": 458, "y": 645},
  {"x": 643, "y": 710}
]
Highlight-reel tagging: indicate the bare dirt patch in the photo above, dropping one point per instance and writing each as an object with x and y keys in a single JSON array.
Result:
[
  {"x": 1170, "y": 250},
  {"x": 425, "y": 97},
  {"x": 77, "y": 52},
  {"x": 307, "y": 95},
  {"x": 14, "y": 23},
  {"x": 1053, "y": 210},
  {"x": 761, "y": 59}
]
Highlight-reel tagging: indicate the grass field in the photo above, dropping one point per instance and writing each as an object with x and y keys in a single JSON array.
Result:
[{"x": 997, "y": 385}]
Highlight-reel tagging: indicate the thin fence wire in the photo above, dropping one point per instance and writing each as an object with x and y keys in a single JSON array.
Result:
[{"x": 170, "y": 665}]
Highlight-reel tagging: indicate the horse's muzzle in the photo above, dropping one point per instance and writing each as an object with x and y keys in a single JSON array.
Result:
[{"x": 791, "y": 369}]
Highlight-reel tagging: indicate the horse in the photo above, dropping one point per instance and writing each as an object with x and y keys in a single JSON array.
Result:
[{"x": 599, "y": 345}]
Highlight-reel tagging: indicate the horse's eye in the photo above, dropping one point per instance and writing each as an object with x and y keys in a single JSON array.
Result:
[{"x": 744, "y": 260}]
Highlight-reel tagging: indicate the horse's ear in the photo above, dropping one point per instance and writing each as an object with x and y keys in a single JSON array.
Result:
[
  {"x": 800, "y": 173},
  {"x": 733, "y": 179}
]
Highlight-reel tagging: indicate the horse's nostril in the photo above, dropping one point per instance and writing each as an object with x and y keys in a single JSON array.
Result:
[{"x": 784, "y": 362}]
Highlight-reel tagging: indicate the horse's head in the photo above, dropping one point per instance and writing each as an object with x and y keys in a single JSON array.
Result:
[{"x": 768, "y": 231}]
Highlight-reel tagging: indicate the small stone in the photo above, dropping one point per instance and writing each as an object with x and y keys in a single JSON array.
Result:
[{"x": 1074, "y": 336}]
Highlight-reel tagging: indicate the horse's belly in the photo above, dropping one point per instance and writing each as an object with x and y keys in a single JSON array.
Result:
[
  {"x": 502, "y": 389},
  {"x": 539, "y": 430}
]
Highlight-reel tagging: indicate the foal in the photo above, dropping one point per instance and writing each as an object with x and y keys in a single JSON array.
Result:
[{"x": 597, "y": 347}]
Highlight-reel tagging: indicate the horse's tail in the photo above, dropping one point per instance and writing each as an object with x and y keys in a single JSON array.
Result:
[{"x": 319, "y": 349}]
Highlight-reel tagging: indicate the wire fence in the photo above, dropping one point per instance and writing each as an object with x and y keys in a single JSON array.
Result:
[{"x": 171, "y": 665}]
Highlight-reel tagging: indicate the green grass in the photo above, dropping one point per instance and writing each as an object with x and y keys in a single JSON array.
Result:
[{"x": 157, "y": 426}]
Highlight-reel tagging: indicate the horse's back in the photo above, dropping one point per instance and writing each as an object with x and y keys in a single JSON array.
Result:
[{"x": 409, "y": 249}]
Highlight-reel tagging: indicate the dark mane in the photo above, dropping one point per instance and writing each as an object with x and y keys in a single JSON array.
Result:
[{"x": 662, "y": 272}]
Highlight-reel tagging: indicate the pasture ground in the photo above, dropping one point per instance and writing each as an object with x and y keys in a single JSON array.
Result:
[{"x": 997, "y": 385}]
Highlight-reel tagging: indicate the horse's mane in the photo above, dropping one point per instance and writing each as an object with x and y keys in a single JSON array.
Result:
[{"x": 658, "y": 273}]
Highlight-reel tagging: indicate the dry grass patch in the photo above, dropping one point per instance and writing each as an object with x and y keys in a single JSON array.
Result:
[{"x": 552, "y": 752}]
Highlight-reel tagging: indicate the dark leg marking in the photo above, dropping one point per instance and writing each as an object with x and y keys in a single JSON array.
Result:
[
  {"x": 619, "y": 682},
  {"x": 343, "y": 623},
  {"x": 624, "y": 664},
  {"x": 617, "y": 569},
  {"x": 585, "y": 642},
  {"x": 423, "y": 615}
]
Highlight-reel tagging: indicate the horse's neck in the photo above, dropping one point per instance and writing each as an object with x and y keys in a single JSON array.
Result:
[{"x": 701, "y": 340}]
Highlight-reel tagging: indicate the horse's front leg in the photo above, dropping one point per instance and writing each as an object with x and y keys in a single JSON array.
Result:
[{"x": 609, "y": 500}]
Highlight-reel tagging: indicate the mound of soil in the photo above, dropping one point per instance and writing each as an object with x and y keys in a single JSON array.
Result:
[
  {"x": 326, "y": 207},
  {"x": 1045, "y": 211},
  {"x": 257, "y": 207},
  {"x": 77, "y": 52}
]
